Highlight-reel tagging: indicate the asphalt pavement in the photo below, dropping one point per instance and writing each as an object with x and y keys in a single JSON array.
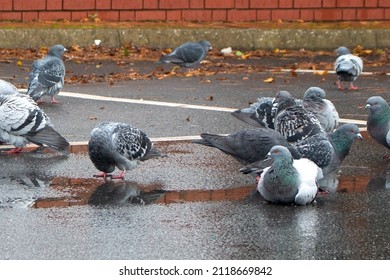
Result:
[{"x": 194, "y": 204}]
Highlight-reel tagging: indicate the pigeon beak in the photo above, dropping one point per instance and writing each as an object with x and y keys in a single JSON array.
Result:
[
  {"x": 367, "y": 106},
  {"x": 359, "y": 136}
]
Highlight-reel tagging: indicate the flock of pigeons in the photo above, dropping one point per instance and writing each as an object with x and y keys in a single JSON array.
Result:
[{"x": 293, "y": 145}]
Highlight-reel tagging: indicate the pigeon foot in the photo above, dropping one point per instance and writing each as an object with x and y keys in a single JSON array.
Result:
[
  {"x": 353, "y": 87},
  {"x": 54, "y": 101}
]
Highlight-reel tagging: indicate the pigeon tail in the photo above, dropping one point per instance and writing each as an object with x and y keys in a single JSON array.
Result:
[
  {"x": 48, "y": 136},
  {"x": 153, "y": 153}
]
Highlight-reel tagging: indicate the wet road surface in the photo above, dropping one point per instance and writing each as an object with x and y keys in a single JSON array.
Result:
[{"x": 194, "y": 204}]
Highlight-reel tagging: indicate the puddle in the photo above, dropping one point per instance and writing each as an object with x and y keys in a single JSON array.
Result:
[
  {"x": 66, "y": 192},
  {"x": 190, "y": 173}
]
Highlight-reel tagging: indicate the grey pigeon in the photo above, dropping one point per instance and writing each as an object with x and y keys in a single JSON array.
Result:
[
  {"x": 293, "y": 121},
  {"x": 378, "y": 122},
  {"x": 22, "y": 121},
  {"x": 258, "y": 114},
  {"x": 262, "y": 112},
  {"x": 115, "y": 144},
  {"x": 247, "y": 145},
  {"x": 327, "y": 151},
  {"x": 342, "y": 139},
  {"x": 188, "y": 55},
  {"x": 289, "y": 180},
  {"x": 315, "y": 102},
  {"x": 47, "y": 75},
  {"x": 348, "y": 67}
]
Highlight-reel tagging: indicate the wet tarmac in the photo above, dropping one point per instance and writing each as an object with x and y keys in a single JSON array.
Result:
[{"x": 193, "y": 204}]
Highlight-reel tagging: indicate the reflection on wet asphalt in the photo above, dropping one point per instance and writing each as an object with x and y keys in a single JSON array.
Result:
[{"x": 192, "y": 205}]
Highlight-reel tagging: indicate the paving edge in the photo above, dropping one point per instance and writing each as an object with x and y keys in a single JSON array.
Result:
[
  {"x": 241, "y": 38},
  {"x": 82, "y": 146}
]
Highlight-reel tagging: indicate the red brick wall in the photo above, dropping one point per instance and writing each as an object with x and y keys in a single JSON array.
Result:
[{"x": 196, "y": 10}]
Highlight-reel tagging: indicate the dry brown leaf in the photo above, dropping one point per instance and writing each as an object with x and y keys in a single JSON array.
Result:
[
  {"x": 269, "y": 80},
  {"x": 320, "y": 73},
  {"x": 245, "y": 56},
  {"x": 19, "y": 63}
]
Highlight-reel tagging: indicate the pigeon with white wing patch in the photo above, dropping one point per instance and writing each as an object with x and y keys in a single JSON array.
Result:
[
  {"x": 22, "y": 121},
  {"x": 288, "y": 180},
  {"x": 348, "y": 67}
]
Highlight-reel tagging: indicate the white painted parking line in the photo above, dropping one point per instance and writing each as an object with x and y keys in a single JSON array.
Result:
[{"x": 318, "y": 71}]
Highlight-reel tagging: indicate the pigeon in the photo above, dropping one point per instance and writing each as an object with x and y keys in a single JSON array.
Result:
[
  {"x": 47, "y": 75},
  {"x": 22, "y": 121},
  {"x": 315, "y": 102},
  {"x": 347, "y": 67},
  {"x": 289, "y": 180},
  {"x": 115, "y": 144},
  {"x": 293, "y": 121},
  {"x": 378, "y": 122},
  {"x": 247, "y": 145},
  {"x": 262, "y": 112},
  {"x": 327, "y": 151},
  {"x": 188, "y": 55},
  {"x": 342, "y": 139}
]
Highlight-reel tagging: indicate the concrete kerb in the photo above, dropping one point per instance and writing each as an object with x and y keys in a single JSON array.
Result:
[{"x": 241, "y": 38}]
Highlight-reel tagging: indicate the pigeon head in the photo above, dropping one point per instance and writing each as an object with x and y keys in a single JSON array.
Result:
[
  {"x": 280, "y": 154},
  {"x": 343, "y": 138},
  {"x": 350, "y": 130},
  {"x": 283, "y": 100},
  {"x": 314, "y": 93},
  {"x": 342, "y": 51},
  {"x": 377, "y": 105},
  {"x": 57, "y": 50},
  {"x": 206, "y": 44}
]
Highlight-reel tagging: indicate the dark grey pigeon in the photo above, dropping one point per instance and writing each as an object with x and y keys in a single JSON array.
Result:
[
  {"x": 289, "y": 180},
  {"x": 378, "y": 122},
  {"x": 327, "y": 151},
  {"x": 293, "y": 121},
  {"x": 348, "y": 67},
  {"x": 247, "y": 145},
  {"x": 47, "y": 75},
  {"x": 114, "y": 144},
  {"x": 188, "y": 55},
  {"x": 22, "y": 121},
  {"x": 315, "y": 102}
]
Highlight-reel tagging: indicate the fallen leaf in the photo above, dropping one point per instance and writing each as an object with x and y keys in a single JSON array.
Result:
[
  {"x": 279, "y": 51},
  {"x": 210, "y": 98},
  {"x": 320, "y": 73},
  {"x": 269, "y": 80},
  {"x": 188, "y": 119},
  {"x": 93, "y": 118},
  {"x": 19, "y": 63},
  {"x": 245, "y": 56},
  {"x": 294, "y": 73}
]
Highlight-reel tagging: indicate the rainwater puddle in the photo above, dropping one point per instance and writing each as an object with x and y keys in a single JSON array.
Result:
[
  {"x": 191, "y": 173},
  {"x": 66, "y": 192}
]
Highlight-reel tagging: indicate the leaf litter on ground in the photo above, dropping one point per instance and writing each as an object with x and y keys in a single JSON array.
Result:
[{"x": 247, "y": 62}]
